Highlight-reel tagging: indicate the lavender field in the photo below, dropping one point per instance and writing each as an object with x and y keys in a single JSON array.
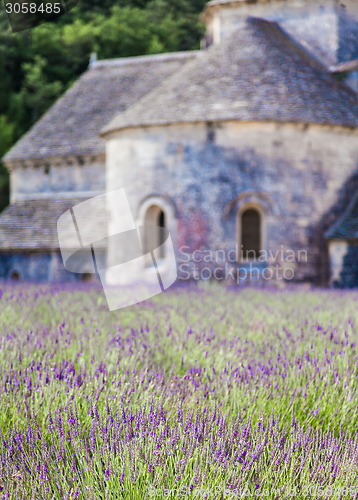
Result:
[{"x": 197, "y": 393}]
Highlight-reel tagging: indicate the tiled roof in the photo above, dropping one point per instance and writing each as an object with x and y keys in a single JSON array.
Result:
[
  {"x": 32, "y": 224},
  {"x": 258, "y": 73},
  {"x": 72, "y": 124}
]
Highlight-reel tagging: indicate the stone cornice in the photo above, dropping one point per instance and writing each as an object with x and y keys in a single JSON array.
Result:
[
  {"x": 215, "y": 5},
  {"x": 64, "y": 161},
  {"x": 50, "y": 195}
]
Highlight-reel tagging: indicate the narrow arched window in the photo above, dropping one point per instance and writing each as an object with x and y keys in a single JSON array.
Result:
[
  {"x": 250, "y": 234},
  {"x": 155, "y": 224},
  {"x": 15, "y": 276}
]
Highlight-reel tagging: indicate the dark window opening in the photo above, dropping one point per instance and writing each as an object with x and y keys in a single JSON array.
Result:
[
  {"x": 161, "y": 238},
  {"x": 15, "y": 275},
  {"x": 86, "y": 277},
  {"x": 155, "y": 223},
  {"x": 250, "y": 234}
]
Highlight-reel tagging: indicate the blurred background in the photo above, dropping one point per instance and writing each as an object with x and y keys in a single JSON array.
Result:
[{"x": 38, "y": 65}]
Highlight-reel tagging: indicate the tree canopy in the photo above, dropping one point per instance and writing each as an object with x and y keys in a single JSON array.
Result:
[{"x": 39, "y": 64}]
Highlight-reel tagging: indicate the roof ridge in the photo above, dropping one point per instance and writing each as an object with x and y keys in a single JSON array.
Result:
[{"x": 124, "y": 61}]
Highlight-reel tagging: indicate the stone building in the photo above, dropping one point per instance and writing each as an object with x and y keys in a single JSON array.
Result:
[{"x": 245, "y": 151}]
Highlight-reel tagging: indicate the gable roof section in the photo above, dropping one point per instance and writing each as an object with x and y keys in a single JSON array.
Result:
[
  {"x": 347, "y": 226},
  {"x": 71, "y": 125},
  {"x": 258, "y": 73},
  {"x": 32, "y": 225}
]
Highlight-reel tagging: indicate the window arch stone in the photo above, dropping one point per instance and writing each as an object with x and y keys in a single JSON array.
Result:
[{"x": 149, "y": 212}]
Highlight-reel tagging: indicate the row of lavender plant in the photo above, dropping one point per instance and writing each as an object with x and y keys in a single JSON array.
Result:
[
  {"x": 235, "y": 357},
  {"x": 144, "y": 452}
]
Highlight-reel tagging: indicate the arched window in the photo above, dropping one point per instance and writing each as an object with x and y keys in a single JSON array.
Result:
[
  {"x": 15, "y": 275},
  {"x": 250, "y": 234},
  {"x": 155, "y": 223}
]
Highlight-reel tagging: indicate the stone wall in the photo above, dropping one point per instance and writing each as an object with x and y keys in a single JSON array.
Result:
[
  {"x": 29, "y": 266},
  {"x": 344, "y": 263},
  {"x": 74, "y": 176},
  {"x": 38, "y": 266},
  {"x": 348, "y": 43},
  {"x": 296, "y": 175}
]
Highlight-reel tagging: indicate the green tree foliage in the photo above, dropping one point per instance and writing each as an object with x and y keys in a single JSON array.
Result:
[
  {"x": 38, "y": 65},
  {"x": 37, "y": 93},
  {"x": 6, "y": 139}
]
